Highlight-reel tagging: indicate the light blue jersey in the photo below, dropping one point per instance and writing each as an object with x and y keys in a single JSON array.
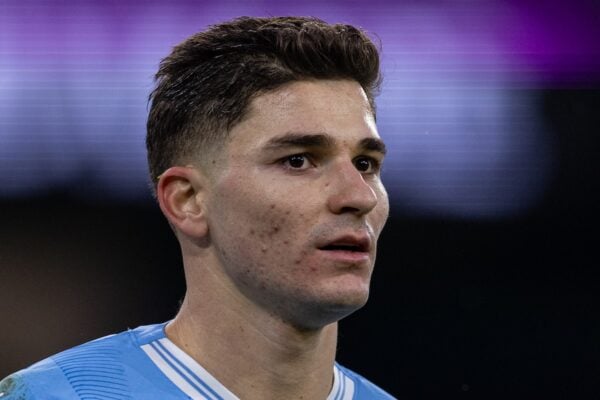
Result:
[{"x": 142, "y": 364}]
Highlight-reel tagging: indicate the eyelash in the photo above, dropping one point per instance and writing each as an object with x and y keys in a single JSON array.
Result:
[{"x": 375, "y": 164}]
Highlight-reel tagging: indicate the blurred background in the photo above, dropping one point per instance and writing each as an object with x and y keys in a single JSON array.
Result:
[{"x": 486, "y": 284}]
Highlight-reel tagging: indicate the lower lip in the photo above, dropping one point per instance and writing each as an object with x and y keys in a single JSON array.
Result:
[{"x": 346, "y": 256}]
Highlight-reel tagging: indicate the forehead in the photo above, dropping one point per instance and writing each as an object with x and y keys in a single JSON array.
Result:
[{"x": 337, "y": 108}]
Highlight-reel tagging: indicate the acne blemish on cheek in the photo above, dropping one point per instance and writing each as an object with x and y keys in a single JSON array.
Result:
[
  {"x": 299, "y": 260},
  {"x": 272, "y": 206},
  {"x": 252, "y": 231}
]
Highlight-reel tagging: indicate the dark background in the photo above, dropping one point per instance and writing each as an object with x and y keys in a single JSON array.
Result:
[
  {"x": 460, "y": 308},
  {"x": 487, "y": 277}
]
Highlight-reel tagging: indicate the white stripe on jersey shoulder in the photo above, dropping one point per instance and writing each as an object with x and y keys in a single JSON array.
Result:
[
  {"x": 343, "y": 386},
  {"x": 172, "y": 374},
  {"x": 221, "y": 392},
  {"x": 185, "y": 372},
  {"x": 196, "y": 382}
]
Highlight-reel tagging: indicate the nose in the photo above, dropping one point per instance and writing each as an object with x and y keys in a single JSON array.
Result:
[{"x": 349, "y": 192}]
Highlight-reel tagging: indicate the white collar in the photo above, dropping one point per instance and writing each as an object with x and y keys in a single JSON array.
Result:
[{"x": 196, "y": 382}]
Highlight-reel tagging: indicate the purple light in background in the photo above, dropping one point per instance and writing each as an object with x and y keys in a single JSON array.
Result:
[
  {"x": 466, "y": 142},
  {"x": 556, "y": 39},
  {"x": 463, "y": 133}
]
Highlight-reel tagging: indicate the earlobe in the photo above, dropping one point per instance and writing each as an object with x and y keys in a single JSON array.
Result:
[{"x": 180, "y": 193}]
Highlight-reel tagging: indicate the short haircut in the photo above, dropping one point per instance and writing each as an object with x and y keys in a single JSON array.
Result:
[{"x": 204, "y": 86}]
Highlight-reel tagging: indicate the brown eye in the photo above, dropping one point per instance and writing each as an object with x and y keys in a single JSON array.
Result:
[
  {"x": 364, "y": 164},
  {"x": 297, "y": 161},
  {"x": 367, "y": 165}
]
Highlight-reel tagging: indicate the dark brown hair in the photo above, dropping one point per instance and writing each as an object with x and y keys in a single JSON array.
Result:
[{"x": 205, "y": 85}]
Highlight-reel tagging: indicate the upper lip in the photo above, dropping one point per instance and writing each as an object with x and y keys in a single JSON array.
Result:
[{"x": 360, "y": 243}]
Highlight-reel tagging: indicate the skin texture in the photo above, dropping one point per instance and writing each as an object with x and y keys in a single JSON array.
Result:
[{"x": 300, "y": 172}]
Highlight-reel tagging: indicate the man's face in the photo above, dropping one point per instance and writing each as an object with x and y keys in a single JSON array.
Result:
[{"x": 296, "y": 203}]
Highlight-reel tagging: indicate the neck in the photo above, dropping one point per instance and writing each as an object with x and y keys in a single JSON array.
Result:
[{"x": 252, "y": 352}]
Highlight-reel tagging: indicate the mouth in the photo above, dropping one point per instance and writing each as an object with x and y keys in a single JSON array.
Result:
[
  {"x": 350, "y": 248},
  {"x": 356, "y": 248}
]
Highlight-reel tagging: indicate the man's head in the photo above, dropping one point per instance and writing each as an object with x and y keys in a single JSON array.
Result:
[
  {"x": 277, "y": 199},
  {"x": 205, "y": 85}
]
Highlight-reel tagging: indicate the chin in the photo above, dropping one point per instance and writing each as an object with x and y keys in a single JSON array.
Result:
[
  {"x": 351, "y": 302},
  {"x": 322, "y": 303},
  {"x": 349, "y": 294},
  {"x": 329, "y": 309}
]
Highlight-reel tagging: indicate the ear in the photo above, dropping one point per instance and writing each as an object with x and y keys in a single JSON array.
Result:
[{"x": 181, "y": 192}]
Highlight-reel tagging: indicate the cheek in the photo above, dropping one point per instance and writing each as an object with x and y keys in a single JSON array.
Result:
[
  {"x": 269, "y": 223},
  {"x": 280, "y": 235},
  {"x": 265, "y": 253},
  {"x": 261, "y": 233},
  {"x": 254, "y": 224},
  {"x": 382, "y": 210}
]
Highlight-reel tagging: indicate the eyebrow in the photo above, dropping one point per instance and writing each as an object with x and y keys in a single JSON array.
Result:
[
  {"x": 296, "y": 139},
  {"x": 373, "y": 144}
]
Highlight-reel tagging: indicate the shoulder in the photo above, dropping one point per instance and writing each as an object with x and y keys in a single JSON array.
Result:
[
  {"x": 41, "y": 380},
  {"x": 14, "y": 388},
  {"x": 110, "y": 366},
  {"x": 365, "y": 389}
]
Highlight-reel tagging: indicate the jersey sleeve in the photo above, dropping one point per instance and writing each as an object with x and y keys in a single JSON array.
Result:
[
  {"x": 13, "y": 387},
  {"x": 43, "y": 380}
]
